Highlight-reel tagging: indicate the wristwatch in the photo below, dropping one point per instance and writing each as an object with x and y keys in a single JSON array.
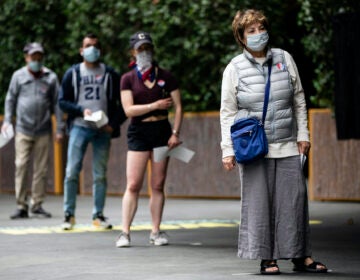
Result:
[{"x": 175, "y": 132}]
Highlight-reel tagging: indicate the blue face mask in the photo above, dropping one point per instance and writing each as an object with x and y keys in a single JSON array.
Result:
[
  {"x": 91, "y": 54},
  {"x": 257, "y": 42},
  {"x": 35, "y": 66}
]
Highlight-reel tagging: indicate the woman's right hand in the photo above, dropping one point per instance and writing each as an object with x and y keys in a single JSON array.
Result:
[
  {"x": 164, "y": 104},
  {"x": 229, "y": 163}
]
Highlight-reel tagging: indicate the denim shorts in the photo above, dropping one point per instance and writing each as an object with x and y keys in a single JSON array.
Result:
[{"x": 145, "y": 136}]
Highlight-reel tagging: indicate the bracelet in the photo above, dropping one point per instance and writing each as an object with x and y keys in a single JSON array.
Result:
[{"x": 175, "y": 132}]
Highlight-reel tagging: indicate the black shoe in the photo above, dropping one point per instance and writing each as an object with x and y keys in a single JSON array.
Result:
[
  {"x": 20, "y": 214},
  {"x": 299, "y": 265},
  {"x": 266, "y": 264},
  {"x": 39, "y": 212}
]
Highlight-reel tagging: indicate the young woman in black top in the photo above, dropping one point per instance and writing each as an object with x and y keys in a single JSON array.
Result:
[{"x": 147, "y": 93}]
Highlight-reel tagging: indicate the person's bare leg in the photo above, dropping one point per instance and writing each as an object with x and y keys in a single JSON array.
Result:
[
  {"x": 157, "y": 199},
  {"x": 135, "y": 170}
]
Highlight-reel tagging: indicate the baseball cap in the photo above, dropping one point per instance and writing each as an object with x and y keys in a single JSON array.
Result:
[
  {"x": 33, "y": 48},
  {"x": 139, "y": 38}
]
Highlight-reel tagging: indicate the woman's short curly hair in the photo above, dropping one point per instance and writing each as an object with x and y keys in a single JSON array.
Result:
[{"x": 244, "y": 18}]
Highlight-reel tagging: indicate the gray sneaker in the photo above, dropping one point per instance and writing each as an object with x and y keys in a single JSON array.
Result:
[
  {"x": 123, "y": 240},
  {"x": 159, "y": 238}
]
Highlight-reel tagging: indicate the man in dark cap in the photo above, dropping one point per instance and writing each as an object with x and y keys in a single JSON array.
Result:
[{"x": 32, "y": 98}]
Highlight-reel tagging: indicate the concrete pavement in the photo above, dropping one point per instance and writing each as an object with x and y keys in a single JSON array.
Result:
[{"x": 203, "y": 243}]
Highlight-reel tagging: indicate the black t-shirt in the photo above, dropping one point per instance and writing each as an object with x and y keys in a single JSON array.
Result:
[{"x": 165, "y": 83}]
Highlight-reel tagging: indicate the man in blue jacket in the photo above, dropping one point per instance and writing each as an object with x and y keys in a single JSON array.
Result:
[{"x": 87, "y": 88}]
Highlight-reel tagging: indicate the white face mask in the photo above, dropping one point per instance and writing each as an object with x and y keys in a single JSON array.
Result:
[
  {"x": 257, "y": 42},
  {"x": 144, "y": 60}
]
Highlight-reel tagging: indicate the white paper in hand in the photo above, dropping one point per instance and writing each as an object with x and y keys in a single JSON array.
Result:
[
  {"x": 98, "y": 118},
  {"x": 6, "y": 136},
  {"x": 160, "y": 153},
  {"x": 180, "y": 153}
]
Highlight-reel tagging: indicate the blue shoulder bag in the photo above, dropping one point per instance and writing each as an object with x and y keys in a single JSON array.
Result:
[{"x": 248, "y": 134}]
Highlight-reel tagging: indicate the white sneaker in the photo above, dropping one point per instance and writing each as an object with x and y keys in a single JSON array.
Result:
[
  {"x": 69, "y": 222},
  {"x": 100, "y": 222},
  {"x": 159, "y": 238},
  {"x": 123, "y": 240}
]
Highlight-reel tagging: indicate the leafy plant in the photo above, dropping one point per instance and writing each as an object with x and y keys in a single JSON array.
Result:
[
  {"x": 193, "y": 38},
  {"x": 316, "y": 16}
]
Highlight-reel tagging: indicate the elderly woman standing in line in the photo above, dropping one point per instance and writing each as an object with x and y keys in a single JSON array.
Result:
[{"x": 274, "y": 209}]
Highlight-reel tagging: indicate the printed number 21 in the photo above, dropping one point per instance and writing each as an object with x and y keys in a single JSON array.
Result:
[{"x": 92, "y": 93}]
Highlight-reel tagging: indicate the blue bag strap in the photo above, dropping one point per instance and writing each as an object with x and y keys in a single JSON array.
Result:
[{"x": 267, "y": 92}]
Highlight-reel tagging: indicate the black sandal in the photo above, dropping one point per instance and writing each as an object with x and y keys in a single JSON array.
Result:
[
  {"x": 265, "y": 264},
  {"x": 299, "y": 265}
]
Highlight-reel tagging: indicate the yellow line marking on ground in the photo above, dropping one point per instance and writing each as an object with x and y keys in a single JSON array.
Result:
[
  {"x": 167, "y": 225},
  {"x": 315, "y": 222}
]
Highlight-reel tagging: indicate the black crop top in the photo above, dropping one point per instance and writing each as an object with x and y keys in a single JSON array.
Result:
[{"x": 165, "y": 83}]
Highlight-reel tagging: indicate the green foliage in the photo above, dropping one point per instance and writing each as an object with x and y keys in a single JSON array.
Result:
[
  {"x": 193, "y": 38},
  {"x": 22, "y": 22},
  {"x": 316, "y": 16}
]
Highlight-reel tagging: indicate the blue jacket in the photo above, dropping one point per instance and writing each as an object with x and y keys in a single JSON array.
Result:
[{"x": 69, "y": 95}]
